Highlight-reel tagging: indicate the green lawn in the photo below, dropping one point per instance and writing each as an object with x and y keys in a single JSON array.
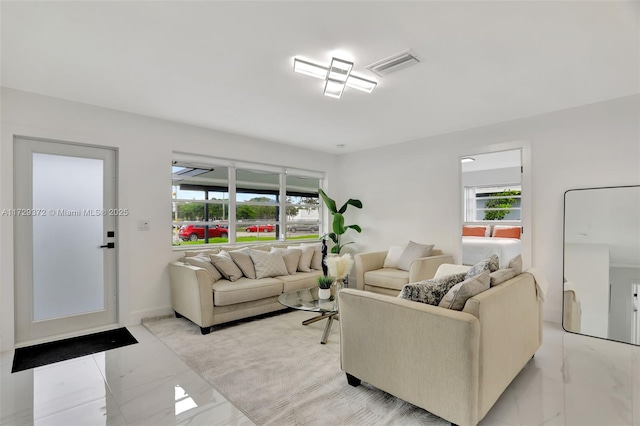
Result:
[{"x": 251, "y": 239}]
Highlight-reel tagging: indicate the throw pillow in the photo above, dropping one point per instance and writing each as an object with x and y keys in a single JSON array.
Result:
[
  {"x": 244, "y": 262},
  {"x": 206, "y": 252},
  {"x": 268, "y": 264},
  {"x": 490, "y": 264},
  {"x": 291, "y": 258},
  {"x": 500, "y": 231},
  {"x": 203, "y": 261},
  {"x": 458, "y": 295},
  {"x": 430, "y": 291},
  {"x": 304, "y": 264},
  {"x": 316, "y": 260},
  {"x": 227, "y": 267},
  {"x": 394, "y": 253},
  {"x": 450, "y": 269},
  {"x": 516, "y": 264},
  {"x": 411, "y": 252},
  {"x": 501, "y": 275},
  {"x": 474, "y": 231}
]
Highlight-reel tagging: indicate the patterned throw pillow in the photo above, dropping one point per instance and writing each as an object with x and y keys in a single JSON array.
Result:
[
  {"x": 458, "y": 295},
  {"x": 490, "y": 264},
  {"x": 430, "y": 291},
  {"x": 268, "y": 264}
]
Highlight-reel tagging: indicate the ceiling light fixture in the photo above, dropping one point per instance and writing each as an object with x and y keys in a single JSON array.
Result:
[
  {"x": 467, "y": 160},
  {"x": 337, "y": 76}
]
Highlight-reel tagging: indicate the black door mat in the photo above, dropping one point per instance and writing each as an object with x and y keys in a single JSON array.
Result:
[{"x": 62, "y": 350}]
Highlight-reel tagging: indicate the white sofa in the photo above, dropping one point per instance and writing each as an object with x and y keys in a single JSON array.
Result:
[
  {"x": 193, "y": 296},
  {"x": 454, "y": 364},
  {"x": 371, "y": 275}
]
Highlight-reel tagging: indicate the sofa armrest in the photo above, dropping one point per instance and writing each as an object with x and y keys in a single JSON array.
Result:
[
  {"x": 425, "y": 268},
  {"x": 423, "y": 354},
  {"x": 367, "y": 262},
  {"x": 191, "y": 293},
  {"x": 510, "y": 317}
]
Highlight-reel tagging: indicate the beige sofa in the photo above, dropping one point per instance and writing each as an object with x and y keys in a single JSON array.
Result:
[
  {"x": 372, "y": 276},
  {"x": 454, "y": 364},
  {"x": 194, "y": 296}
]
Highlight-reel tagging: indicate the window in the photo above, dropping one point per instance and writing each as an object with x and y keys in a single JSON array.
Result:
[
  {"x": 493, "y": 203},
  {"x": 225, "y": 203}
]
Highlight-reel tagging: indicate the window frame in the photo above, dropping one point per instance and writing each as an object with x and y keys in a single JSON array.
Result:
[{"x": 188, "y": 160}]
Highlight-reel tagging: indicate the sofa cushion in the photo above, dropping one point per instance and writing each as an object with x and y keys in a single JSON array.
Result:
[
  {"x": 300, "y": 280},
  {"x": 268, "y": 264},
  {"x": 411, "y": 252},
  {"x": 458, "y": 295},
  {"x": 204, "y": 261},
  {"x": 206, "y": 252},
  {"x": 450, "y": 269},
  {"x": 387, "y": 278},
  {"x": 304, "y": 264},
  {"x": 491, "y": 264},
  {"x": 501, "y": 275},
  {"x": 244, "y": 262},
  {"x": 291, "y": 258},
  {"x": 245, "y": 290},
  {"x": 431, "y": 291},
  {"x": 516, "y": 264},
  {"x": 227, "y": 267},
  {"x": 391, "y": 259},
  {"x": 316, "y": 260}
]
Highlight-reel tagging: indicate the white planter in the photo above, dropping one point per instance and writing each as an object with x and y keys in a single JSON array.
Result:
[{"x": 324, "y": 293}]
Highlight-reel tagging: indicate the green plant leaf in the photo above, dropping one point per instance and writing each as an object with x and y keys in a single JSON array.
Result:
[
  {"x": 338, "y": 224},
  {"x": 335, "y": 249},
  {"x": 352, "y": 202},
  {"x": 355, "y": 228},
  {"x": 331, "y": 205},
  {"x": 333, "y": 237}
]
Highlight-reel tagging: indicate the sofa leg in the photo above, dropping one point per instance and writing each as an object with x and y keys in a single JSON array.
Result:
[
  {"x": 205, "y": 330},
  {"x": 353, "y": 380},
  {"x": 177, "y": 314}
]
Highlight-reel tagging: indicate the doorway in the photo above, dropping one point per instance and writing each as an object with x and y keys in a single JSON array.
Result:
[{"x": 65, "y": 239}]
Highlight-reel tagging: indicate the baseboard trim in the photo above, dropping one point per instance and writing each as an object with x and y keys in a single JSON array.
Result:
[{"x": 138, "y": 316}]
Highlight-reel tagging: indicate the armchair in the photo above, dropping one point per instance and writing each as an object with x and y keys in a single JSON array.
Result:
[{"x": 372, "y": 276}]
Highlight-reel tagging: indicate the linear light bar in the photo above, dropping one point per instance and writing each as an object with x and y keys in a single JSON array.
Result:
[
  {"x": 339, "y": 70},
  {"x": 361, "y": 83},
  {"x": 309, "y": 68},
  {"x": 333, "y": 88}
]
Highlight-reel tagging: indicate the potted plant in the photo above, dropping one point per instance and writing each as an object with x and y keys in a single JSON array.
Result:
[
  {"x": 338, "y": 226},
  {"x": 324, "y": 284}
]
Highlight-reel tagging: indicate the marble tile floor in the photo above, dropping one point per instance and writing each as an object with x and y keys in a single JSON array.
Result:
[
  {"x": 573, "y": 380},
  {"x": 141, "y": 384}
]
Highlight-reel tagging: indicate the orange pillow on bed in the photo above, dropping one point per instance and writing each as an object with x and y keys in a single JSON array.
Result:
[
  {"x": 507, "y": 232},
  {"x": 474, "y": 231}
]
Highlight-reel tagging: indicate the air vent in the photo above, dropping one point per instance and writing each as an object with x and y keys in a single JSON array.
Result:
[{"x": 394, "y": 63}]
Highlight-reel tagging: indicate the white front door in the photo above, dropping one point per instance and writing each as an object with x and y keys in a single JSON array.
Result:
[{"x": 65, "y": 239}]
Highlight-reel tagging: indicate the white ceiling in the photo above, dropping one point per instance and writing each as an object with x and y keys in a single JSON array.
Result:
[{"x": 228, "y": 65}]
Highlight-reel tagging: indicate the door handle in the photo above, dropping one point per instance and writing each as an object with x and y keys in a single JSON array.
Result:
[{"x": 108, "y": 245}]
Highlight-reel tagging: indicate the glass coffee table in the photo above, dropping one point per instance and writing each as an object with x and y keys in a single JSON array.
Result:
[{"x": 307, "y": 300}]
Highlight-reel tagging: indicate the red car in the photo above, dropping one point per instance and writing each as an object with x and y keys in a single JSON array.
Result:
[
  {"x": 196, "y": 232},
  {"x": 259, "y": 228}
]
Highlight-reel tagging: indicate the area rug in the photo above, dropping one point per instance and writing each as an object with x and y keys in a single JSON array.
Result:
[
  {"x": 276, "y": 371},
  {"x": 62, "y": 350}
]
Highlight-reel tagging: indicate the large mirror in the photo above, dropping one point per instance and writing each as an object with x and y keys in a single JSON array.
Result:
[{"x": 602, "y": 263}]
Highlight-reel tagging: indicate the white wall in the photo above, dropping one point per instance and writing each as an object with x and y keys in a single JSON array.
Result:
[
  {"x": 412, "y": 190},
  {"x": 145, "y": 148},
  {"x": 621, "y": 317}
]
